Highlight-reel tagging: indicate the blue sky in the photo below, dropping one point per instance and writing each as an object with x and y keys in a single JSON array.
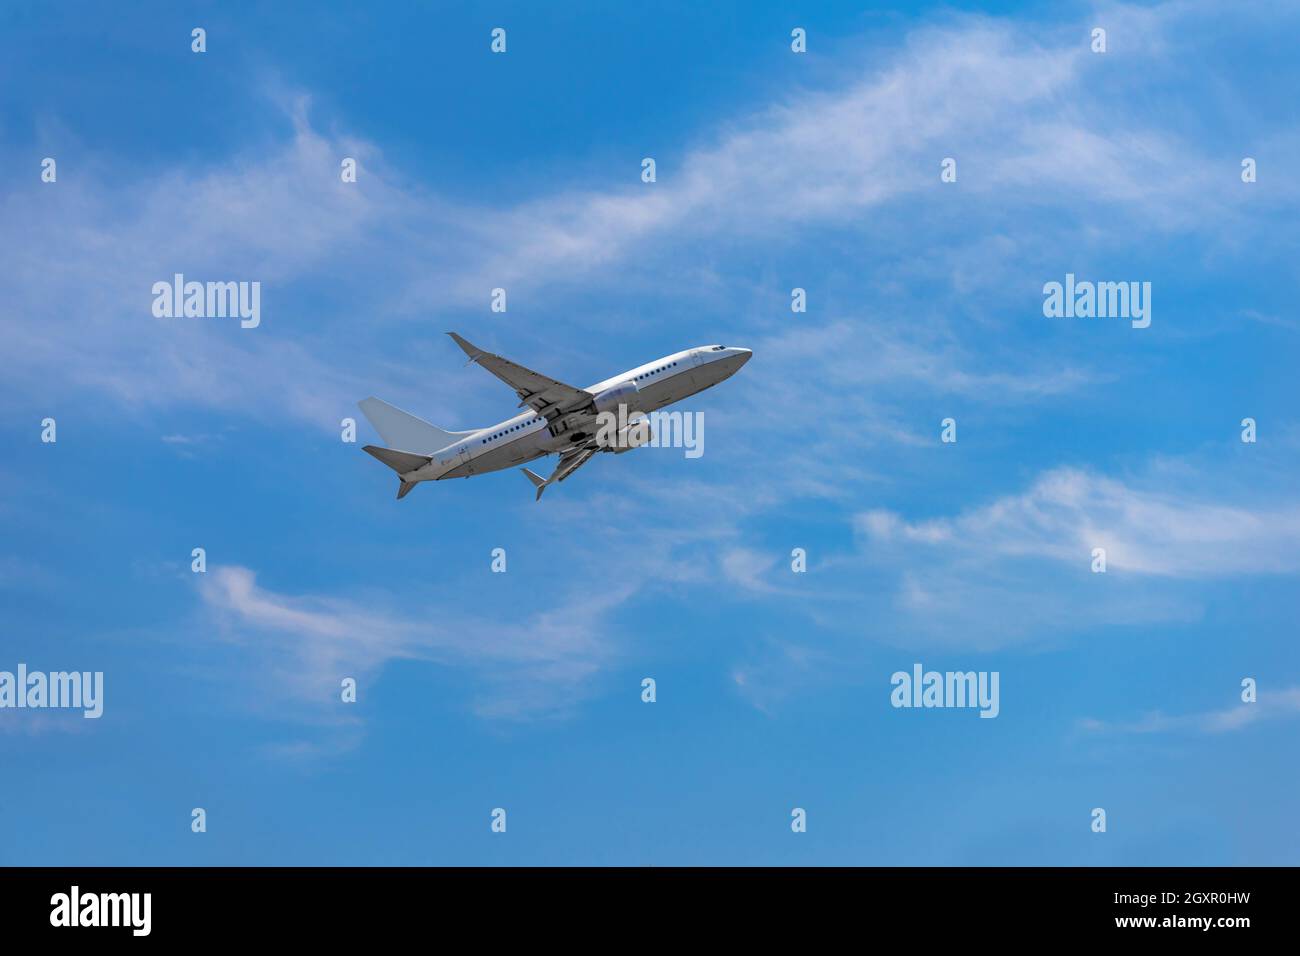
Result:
[{"x": 522, "y": 690}]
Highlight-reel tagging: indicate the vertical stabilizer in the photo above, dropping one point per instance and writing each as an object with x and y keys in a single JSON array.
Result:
[{"x": 403, "y": 430}]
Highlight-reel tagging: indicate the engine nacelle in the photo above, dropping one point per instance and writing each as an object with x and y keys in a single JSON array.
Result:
[{"x": 611, "y": 398}]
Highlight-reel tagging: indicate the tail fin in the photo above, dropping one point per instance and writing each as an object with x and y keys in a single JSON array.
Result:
[
  {"x": 401, "y": 429},
  {"x": 538, "y": 481},
  {"x": 400, "y": 461}
]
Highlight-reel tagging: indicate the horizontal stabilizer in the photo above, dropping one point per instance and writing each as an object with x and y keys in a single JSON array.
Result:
[
  {"x": 400, "y": 461},
  {"x": 404, "y": 488},
  {"x": 538, "y": 481}
]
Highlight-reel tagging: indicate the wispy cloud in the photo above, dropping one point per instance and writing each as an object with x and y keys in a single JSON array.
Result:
[
  {"x": 1271, "y": 705},
  {"x": 1017, "y": 112},
  {"x": 307, "y": 643},
  {"x": 1016, "y": 569},
  {"x": 748, "y": 568},
  {"x": 1068, "y": 512}
]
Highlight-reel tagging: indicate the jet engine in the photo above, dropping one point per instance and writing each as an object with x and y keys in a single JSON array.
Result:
[
  {"x": 611, "y": 398},
  {"x": 634, "y": 435}
]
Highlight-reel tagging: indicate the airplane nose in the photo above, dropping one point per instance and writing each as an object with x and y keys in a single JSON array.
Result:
[{"x": 744, "y": 355}]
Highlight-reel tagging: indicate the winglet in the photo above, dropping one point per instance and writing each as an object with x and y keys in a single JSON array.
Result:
[
  {"x": 469, "y": 348},
  {"x": 538, "y": 481}
]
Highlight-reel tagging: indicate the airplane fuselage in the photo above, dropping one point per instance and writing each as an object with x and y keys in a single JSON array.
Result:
[{"x": 528, "y": 436}]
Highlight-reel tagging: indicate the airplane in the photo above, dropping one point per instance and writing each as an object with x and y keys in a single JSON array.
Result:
[{"x": 561, "y": 419}]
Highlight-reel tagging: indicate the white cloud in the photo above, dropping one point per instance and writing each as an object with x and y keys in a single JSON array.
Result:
[
  {"x": 747, "y": 568},
  {"x": 1017, "y": 114},
  {"x": 308, "y": 643},
  {"x": 335, "y": 258},
  {"x": 1068, "y": 512},
  {"x": 1270, "y": 705}
]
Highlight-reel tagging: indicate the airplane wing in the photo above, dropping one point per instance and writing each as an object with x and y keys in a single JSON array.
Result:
[
  {"x": 546, "y": 396},
  {"x": 570, "y": 461}
]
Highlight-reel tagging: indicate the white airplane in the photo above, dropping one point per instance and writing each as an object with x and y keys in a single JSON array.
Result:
[{"x": 562, "y": 419}]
